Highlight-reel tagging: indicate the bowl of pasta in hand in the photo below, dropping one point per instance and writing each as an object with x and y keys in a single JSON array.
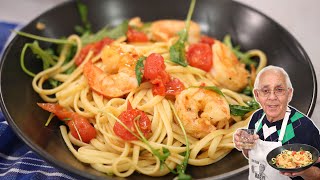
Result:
[
  {"x": 142, "y": 89},
  {"x": 292, "y": 157}
]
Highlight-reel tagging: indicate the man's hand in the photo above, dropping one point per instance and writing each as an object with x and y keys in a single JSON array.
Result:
[{"x": 238, "y": 141}]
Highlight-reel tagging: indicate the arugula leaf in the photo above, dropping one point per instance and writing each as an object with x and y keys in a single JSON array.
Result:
[
  {"x": 244, "y": 57},
  {"x": 212, "y": 88},
  {"x": 253, "y": 103},
  {"x": 177, "y": 50},
  {"x": 183, "y": 176},
  {"x": 83, "y": 12},
  {"x": 182, "y": 167},
  {"x": 248, "y": 90},
  {"x": 161, "y": 156},
  {"x": 49, "y": 119},
  {"x": 138, "y": 69},
  {"x": 40, "y": 38},
  {"x": 177, "y": 53},
  {"x": 46, "y": 57},
  {"x": 238, "y": 110},
  {"x": 71, "y": 69},
  {"x": 145, "y": 28},
  {"x": 112, "y": 33}
]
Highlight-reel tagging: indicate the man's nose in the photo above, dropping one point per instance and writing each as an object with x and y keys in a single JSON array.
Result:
[{"x": 272, "y": 95}]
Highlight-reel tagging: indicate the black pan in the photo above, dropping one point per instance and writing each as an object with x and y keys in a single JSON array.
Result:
[
  {"x": 293, "y": 147},
  {"x": 247, "y": 27}
]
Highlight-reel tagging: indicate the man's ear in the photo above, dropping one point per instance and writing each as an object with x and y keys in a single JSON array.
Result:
[
  {"x": 290, "y": 95},
  {"x": 256, "y": 95}
]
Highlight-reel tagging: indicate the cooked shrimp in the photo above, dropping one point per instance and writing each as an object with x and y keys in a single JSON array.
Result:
[
  {"x": 227, "y": 69},
  {"x": 136, "y": 22},
  {"x": 200, "y": 110},
  {"x": 118, "y": 77},
  {"x": 163, "y": 30}
]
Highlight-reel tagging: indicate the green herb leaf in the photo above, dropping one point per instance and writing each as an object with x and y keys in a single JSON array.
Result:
[
  {"x": 183, "y": 176},
  {"x": 177, "y": 50},
  {"x": 138, "y": 69},
  {"x": 213, "y": 88},
  {"x": 40, "y": 38},
  {"x": 253, "y": 103},
  {"x": 54, "y": 83},
  {"x": 182, "y": 167},
  {"x": 145, "y": 28},
  {"x": 165, "y": 153},
  {"x": 244, "y": 57},
  {"x": 177, "y": 53},
  {"x": 248, "y": 90},
  {"x": 112, "y": 33},
  {"x": 238, "y": 110},
  {"x": 71, "y": 69},
  {"x": 83, "y": 12},
  {"x": 44, "y": 55}
]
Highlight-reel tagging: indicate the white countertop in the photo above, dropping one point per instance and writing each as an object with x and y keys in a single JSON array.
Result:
[{"x": 300, "y": 18}]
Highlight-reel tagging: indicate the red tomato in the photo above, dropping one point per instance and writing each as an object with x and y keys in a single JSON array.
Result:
[
  {"x": 293, "y": 152},
  {"x": 207, "y": 40},
  {"x": 56, "y": 109},
  {"x": 154, "y": 71},
  {"x": 301, "y": 152},
  {"x": 159, "y": 87},
  {"x": 174, "y": 87},
  {"x": 136, "y": 36},
  {"x": 154, "y": 67},
  {"x": 74, "y": 121},
  {"x": 96, "y": 47},
  {"x": 127, "y": 118},
  {"x": 200, "y": 55},
  {"x": 81, "y": 125}
]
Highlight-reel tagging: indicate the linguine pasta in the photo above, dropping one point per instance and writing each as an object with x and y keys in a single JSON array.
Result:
[
  {"x": 292, "y": 159},
  {"x": 111, "y": 154}
]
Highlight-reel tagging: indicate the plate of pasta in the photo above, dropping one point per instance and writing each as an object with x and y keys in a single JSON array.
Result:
[
  {"x": 292, "y": 157},
  {"x": 144, "y": 91}
]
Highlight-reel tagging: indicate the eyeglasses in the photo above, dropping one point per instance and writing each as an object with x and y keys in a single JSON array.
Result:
[{"x": 277, "y": 92}]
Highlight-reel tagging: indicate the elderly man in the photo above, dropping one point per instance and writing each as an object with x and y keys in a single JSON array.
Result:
[{"x": 277, "y": 124}]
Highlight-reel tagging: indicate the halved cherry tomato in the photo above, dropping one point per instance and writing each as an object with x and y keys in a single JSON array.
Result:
[
  {"x": 136, "y": 36},
  {"x": 127, "y": 118},
  {"x": 61, "y": 112},
  {"x": 200, "y": 55},
  {"x": 76, "y": 123},
  {"x": 174, "y": 87},
  {"x": 301, "y": 152},
  {"x": 84, "y": 128},
  {"x": 207, "y": 40},
  {"x": 96, "y": 47},
  {"x": 293, "y": 152}
]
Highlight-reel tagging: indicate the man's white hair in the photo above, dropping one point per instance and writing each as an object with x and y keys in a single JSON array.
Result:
[{"x": 274, "y": 69}]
